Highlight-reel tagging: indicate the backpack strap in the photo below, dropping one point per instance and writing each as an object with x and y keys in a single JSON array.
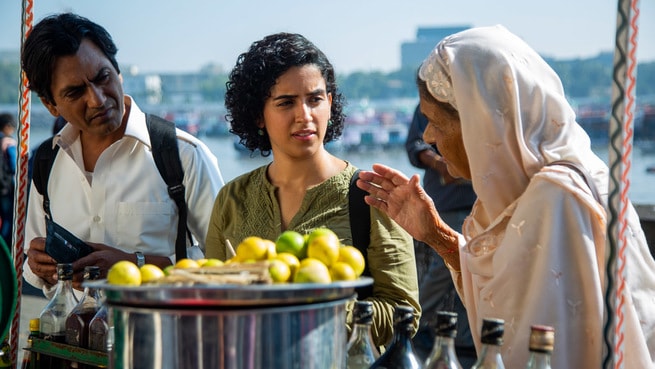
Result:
[
  {"x": 44, "y": 158},
  {"x": 360, "y": 228},
  {"x": 167, "y": 158}
]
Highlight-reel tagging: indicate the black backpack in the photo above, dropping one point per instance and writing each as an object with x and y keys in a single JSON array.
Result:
[
  {"x": 6, "y": 174},
  {"x": 167, "y": 158},
  {"x": 360, "y": 228}
]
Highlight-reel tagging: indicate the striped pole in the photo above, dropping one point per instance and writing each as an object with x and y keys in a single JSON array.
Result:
[
  {"x": 620, "y": 151},
  {"x": 22, "y": 181}
]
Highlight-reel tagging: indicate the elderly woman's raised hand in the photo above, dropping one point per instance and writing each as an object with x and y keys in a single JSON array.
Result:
[{"x": 402, "y": 199}]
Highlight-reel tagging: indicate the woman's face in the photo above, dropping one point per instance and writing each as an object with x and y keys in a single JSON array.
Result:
[
  {"x": 297, "y": 112},
  {"x": 445, "y": 131}
]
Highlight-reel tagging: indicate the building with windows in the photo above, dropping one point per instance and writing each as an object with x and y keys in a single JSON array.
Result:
[{"x": 412, "y": 53}]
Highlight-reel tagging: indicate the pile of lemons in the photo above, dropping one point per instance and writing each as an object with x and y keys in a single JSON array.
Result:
[{"x": 316, "y": 257}]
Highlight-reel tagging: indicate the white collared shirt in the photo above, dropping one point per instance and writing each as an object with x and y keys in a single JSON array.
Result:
[{"x": 124, "y": 202}]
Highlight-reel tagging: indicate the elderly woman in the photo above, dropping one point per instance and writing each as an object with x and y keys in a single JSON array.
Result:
[{"x": 533, "y": 248}]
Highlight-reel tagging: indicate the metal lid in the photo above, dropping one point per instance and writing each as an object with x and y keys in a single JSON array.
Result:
[
  {"x": 446, "y": 325},
  {"x": 227, "y": 295},
  {"x": 403, "y": 315},
  {"x": 363, "y": 312},
  {"x": 65, "y": 271},
  {"x": 91, "y": 272},
  {"x": 492, "y": 331},
  {"x": 542, "y": 338}
]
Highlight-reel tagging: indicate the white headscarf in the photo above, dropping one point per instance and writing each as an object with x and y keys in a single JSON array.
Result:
[{"x": 514, "y": 114}]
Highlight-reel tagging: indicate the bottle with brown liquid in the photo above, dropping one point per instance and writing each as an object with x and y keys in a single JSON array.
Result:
[
  {"x": 77, "y": 322},
  {"x": 100, "y": 335},
  {"x": 32, "y": 360}
]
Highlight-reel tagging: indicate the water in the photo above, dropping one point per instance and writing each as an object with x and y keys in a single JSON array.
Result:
[{"x": 233, "y": 163}]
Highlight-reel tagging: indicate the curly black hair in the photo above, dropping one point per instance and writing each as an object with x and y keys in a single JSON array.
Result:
[{"x": 255, "y": 74}]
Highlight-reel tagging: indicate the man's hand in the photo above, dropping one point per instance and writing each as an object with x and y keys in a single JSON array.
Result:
[
  {"x": 103, "y": 257},
  {"x": 41, "y": 264}
]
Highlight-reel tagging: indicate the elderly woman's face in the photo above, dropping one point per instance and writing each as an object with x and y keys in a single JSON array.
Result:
[{"x": 445, "y": 131}]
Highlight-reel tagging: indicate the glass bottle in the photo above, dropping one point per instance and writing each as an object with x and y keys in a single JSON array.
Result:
[
  {"x": 400, "y": 353},
  {"x": 443, "y": 354},
  {"x": 492, "y": 340},
  {"x": 77, "y": 322},
  {"x": 30, "y": 362},
  {"x": 542, "y": 339},
  {"x": 100, "y": 336},
  {"x": 5, "y": 354},
  {"x": 360, "y": 350},
  {"x": 53, "y": 317}
]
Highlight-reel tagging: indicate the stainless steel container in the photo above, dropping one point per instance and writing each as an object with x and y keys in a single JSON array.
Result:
[{"x": 232, "y": 327}]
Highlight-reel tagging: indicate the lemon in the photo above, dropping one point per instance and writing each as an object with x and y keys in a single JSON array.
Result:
[
  {"x": 201, "y": 262},
  {"x": 279, "y": 271},
  {"x": 167, "y": 270},
  {"x": 186, "y": 263},
  {"x": 341, "y": 271},
  {"x": 124, "y": 273},
  {"x": 150, "y": 273},
  {"x": 324, "y": 248},
  {"x": 252, "y": 248},
  {"x": 212, "y": 262},
  {"x": 353, "y": 257},
  {"x": 290, "y": 259},
  {"x": 322, "y": 231},
  {"x": 271, "y": 252},
  {"x": 312, "y": 271},
  {"x": 291, "y": 242}
]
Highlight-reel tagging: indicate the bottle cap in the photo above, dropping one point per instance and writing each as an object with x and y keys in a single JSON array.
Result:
[
  {"x": 402, "y": 315},
  {"x": 363, "y": 312},
  {"x": 446, "y": 325},
  {"x": 492, "y": 331},
  {"x": 35, "y": 324},
  {"x": 65, "y": 271},
  {"x": 91, "y": 272},
  {"x": 542, "y": 338}
]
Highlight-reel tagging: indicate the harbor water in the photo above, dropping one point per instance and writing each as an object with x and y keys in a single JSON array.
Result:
[{"x": 233, "y": 162}]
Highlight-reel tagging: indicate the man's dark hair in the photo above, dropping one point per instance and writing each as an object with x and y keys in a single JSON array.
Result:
[{"x": 56, "y": 36}]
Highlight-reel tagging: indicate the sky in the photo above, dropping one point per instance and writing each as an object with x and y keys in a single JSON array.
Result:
[{"x": 356, "y": 35}]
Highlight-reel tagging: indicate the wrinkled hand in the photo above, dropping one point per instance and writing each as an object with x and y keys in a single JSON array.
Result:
[{"x": 402, "y": 199}]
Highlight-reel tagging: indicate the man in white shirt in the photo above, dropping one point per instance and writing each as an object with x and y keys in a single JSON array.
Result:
[{"x": 104, "y": 186}]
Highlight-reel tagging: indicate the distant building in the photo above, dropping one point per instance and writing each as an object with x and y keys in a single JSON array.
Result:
[{"x": 412, "y": 53}]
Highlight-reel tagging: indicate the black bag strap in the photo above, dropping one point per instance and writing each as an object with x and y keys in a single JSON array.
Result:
[
  {"x": 360, "y": 228},
  {"x": 44, "y": 158},
  {"x": 584, "y": 173},
  {"x": 167, "y": 158}
]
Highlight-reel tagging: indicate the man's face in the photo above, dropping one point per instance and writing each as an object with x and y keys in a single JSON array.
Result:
[{"x": 87, "y": 91}]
